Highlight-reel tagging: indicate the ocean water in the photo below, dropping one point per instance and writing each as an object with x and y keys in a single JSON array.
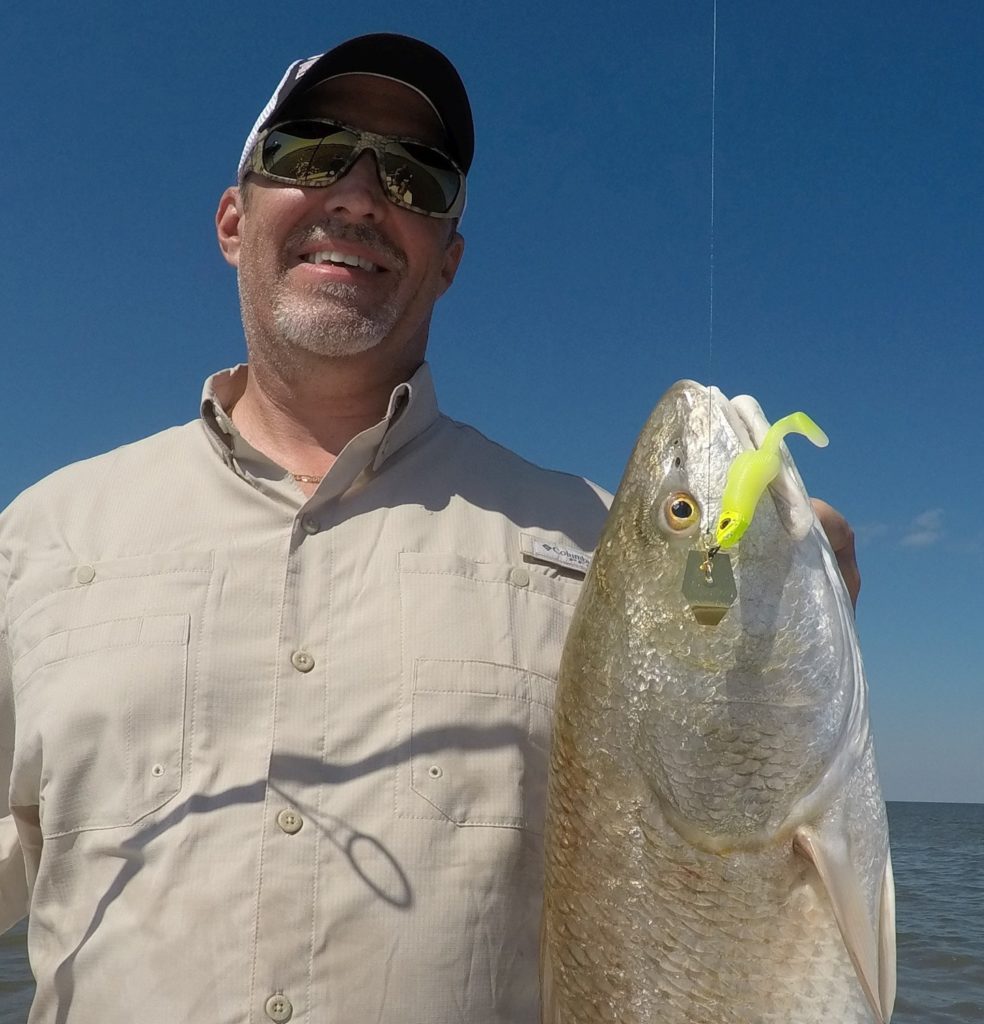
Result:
[
  {"x": 938, "y": 858},
  {"x": 938, "y": 855}
]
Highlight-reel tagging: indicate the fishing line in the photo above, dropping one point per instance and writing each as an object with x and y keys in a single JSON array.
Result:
[
  {"x": 709, "y": 585},
  {"x": 710, "y": 315}
]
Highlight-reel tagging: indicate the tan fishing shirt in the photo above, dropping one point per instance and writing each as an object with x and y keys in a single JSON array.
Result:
[{"x": 275, "y": 757}]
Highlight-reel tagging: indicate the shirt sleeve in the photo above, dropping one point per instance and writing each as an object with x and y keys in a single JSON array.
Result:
[{"x": 13, "y": 880}]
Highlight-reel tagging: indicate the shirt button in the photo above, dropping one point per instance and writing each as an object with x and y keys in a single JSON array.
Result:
[
  {"x": 278, "y": 1007},
  {"x": 519, "y": 577},
  {"x": 309, "y": 524},
  {"x": 85, "y": 574},
  {"x": 290, "y": 821},
  {"x": 302, "y": 661}
]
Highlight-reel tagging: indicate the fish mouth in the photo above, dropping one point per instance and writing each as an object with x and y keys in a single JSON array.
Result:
[{"x": 713, "y": 430}]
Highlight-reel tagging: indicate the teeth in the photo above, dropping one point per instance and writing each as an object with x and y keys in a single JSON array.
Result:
[{"x": 340, "y": 259}]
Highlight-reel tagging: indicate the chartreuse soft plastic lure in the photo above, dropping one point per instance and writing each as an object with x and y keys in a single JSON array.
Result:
[{"x": 753, "y": 471}]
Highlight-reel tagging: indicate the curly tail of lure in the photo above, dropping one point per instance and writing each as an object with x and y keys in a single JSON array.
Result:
[{"x": 752, "y": 472}]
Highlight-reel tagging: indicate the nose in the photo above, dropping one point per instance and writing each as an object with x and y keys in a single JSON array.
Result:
[{"x": 357, "y": 192}]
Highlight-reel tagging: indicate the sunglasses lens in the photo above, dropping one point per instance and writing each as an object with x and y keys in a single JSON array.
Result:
[
  {"x": 318, "y": 153},
  {"x": 303, "y": 152},
  {"x": 419, "y": 176}
]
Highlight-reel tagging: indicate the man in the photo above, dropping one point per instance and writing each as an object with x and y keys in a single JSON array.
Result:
[{"x": 282, "y": 677}]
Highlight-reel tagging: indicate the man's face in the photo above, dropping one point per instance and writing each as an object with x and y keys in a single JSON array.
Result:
[{"x": 291, "y": 293}]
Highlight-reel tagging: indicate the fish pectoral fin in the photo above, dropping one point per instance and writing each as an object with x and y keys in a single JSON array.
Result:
[
  {"x": 872, "y": 952},
  {"x": 886, "y": 940}
]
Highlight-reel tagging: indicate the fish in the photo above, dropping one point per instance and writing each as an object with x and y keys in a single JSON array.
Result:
[{"x": 716, "y": 846}]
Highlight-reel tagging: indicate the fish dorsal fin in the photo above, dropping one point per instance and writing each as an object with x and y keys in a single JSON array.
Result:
[{"x": 871, "y": 952}]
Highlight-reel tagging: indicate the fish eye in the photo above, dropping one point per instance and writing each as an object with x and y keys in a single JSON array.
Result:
[{"x": 680, "y": 513}]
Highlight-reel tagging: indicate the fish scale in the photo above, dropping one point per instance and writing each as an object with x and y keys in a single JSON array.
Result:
[
  {"x": 684, "y": 938},
  {"x": 716, "y": 844}
]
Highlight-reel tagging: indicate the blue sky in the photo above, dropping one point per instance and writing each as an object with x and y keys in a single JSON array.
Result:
[{"x": 847, "y": 258}]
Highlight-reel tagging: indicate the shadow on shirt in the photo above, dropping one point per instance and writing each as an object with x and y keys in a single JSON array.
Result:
[{"x": 385, "y": 878}]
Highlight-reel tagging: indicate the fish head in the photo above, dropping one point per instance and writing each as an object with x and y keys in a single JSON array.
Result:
[
  {"x": 668, "y": 502},
  {"x": 730, "y": 727}
]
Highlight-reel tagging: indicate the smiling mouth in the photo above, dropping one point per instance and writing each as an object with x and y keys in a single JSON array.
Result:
[{"x": 339, "y": 259}]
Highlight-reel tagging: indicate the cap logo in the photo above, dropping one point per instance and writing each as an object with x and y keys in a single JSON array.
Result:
[{"x": 305, "y": 65}]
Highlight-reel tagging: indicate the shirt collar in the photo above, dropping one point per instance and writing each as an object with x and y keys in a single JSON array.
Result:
[{"x": 412, "y": 408}]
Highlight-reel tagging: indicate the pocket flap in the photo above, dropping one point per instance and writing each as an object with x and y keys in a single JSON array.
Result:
[{"x": 137, "y": 631}]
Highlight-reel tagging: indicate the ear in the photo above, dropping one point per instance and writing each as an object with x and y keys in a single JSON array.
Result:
[
  {"x": 228, "y": 220},
  {"x": 452, "y": 257}
]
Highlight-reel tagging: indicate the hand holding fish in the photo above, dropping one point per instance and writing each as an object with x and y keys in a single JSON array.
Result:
[{"x": 841, "y": 537}]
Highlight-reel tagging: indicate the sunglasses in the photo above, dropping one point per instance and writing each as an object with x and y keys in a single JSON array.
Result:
[{"x": 316, "y": 153}]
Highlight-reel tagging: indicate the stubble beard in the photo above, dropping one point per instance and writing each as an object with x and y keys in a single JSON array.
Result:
[{"x": 329, "y": 320}]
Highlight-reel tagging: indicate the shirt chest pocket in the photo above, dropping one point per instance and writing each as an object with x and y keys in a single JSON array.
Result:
[
  {"x": 103, "y": 702},
  {"x": 481, "y": 648}
]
